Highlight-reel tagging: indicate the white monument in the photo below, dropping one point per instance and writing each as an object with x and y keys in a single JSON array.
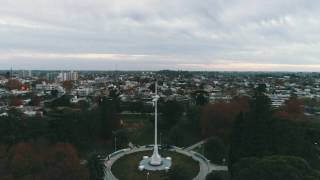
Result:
[
  {"x": 156, "y": 158},
  {"x": 155, "y": 162}
]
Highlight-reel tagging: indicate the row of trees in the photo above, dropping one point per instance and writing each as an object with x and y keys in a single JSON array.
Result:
[
  {"x": 263, "y": 143},
  {"x": 245, "y": 128},
  {"x": 261, "y": 136},
  {"x": 35, "y": 147},
  {"x": 41, "y": 161}
]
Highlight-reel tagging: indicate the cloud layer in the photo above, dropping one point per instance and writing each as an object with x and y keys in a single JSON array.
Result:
[{"x": 160, "y": 34}]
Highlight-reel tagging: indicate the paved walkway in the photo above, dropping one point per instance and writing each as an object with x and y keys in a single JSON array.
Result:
[
  {"x": 196, "y": 145},
  {"x": 115, "y": 156},
  {"x": 205, "y": 166},
  {"x": 203, "y": 163},
  {"x": 215, "y": 167}
]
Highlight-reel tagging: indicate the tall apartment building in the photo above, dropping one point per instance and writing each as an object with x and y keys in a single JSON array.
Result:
[
  {"x": 68, "y": 76},
  {"x": 25, "y": 73}
]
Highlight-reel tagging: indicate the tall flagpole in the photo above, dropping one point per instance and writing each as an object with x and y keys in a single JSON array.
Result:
[
  {"x": 156, "y": 117},
  {"x": 156, "y": 158},
  {"x": 155, "y": 162}
]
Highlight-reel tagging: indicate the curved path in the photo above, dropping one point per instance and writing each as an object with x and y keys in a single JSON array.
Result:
[
  {"x": 108, "y": 162},
  {"x": 205, "y": 166},
  {"x": 196, "y": 145}
]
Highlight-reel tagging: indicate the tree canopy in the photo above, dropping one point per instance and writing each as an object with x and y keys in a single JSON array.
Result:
[{"x": 274, "y": 167}]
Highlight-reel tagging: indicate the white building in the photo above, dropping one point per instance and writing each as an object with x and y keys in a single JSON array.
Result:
[
  {"x": 82, "y": 92},
  {"x": 68, "y": 76},
  {"x": 26, "y": 73},
  {"x": 44, "y": 87}
]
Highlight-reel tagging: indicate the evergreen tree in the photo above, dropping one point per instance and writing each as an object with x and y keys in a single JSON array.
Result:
[
  {"x": 96, "y": 167},
  {"x": 110, "y": 117}
]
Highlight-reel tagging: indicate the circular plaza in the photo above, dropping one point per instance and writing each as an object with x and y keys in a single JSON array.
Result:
[{"x": 124, "y": 164}]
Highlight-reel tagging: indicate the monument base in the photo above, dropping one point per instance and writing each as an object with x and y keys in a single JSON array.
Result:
[
  {"x": 165, "y": 164},
  {"x": 155, "y": 159}
]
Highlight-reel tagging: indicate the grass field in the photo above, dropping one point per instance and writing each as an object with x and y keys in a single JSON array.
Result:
[
  {"x": 100, "y": 147},
  {"x": 135, "y": 117},
  {"x": 142, "y": 135},
  {"x": 126, "y": 168}
]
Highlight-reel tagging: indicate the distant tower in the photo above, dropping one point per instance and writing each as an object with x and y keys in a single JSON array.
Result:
[{"x": 11, "y": 73}]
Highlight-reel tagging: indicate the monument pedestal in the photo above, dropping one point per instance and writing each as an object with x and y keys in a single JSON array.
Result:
[{"x": 145, "y": 164}]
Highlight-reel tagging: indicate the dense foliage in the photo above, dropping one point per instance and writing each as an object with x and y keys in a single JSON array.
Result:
[
  {"x": 41, "y": 161},
  {"x": 216, "y": 150},
  {"x": 274, "y": 167},
  {"x": 218, "y": 175},
  {"x": 47, "y": 142},
  {"x": 261, "y": 132}
]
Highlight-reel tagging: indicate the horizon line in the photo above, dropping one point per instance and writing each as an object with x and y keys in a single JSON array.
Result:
[{"x": 179, "y": 70}]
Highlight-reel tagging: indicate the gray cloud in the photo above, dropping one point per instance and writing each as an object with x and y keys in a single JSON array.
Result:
[{"x": 177, "y": 34}]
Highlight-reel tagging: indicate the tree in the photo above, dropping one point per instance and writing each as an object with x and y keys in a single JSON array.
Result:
[
  {"x": 13, "y": 84},
  {"x": 35, "y": 100},
  {"x": 171, "y": 112},
  {"x": 10, "y": 128},
  {"x": 220, "y": 175},
  {"x": 122, "y": 136},
  {"x": 96, "y": 167},
  {"x": 43, "y": 161},
  {"x": 274, "y": 167},
  {"x": 259, "y": 133},
  {"x": 252, "y": 134},
  {"x": 191, "y": 124},
  {"x": 82, "y": 104},
  {"x": 292, "y": 110},
  {"x": 261, "y": 103},
  {"x": 67, "y": 85},
  {"x": 15, "y": 101},
  {"x": 152, "y": 87},
  {"x": 215, "y": 150},
  {"x": 8, "y": 74},
  {"x": 54, "y": 93},
  {"x": 218, "y": 119},
  {"x": 76, "y": 127},
  {"x": 62, "y": 101},
  {"x": 110, "y": 117},
  {"x": 200, "y": 97}
]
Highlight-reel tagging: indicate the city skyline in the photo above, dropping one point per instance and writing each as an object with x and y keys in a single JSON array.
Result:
[{"x": 238, "y": 35}]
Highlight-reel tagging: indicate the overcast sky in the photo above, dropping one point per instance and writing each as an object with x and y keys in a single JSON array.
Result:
[{"x": 254, "y": 35}]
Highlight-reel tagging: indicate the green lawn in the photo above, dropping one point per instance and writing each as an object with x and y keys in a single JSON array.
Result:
[
  {"x": 126, "y": 168},
  {"x": 100, "y": 147},
  {"x": 142, "y": 135},
  {"x": 135, "y": 117}
]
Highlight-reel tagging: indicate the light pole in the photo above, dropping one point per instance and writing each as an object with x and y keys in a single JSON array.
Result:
[
  {"x": 161, "y": 139},
  {"x": 202, "y": 149},
  {"x": 115, "y": 140},
  {"x": 115, "y": 143},
  {"x": 148, "y": 175}
]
